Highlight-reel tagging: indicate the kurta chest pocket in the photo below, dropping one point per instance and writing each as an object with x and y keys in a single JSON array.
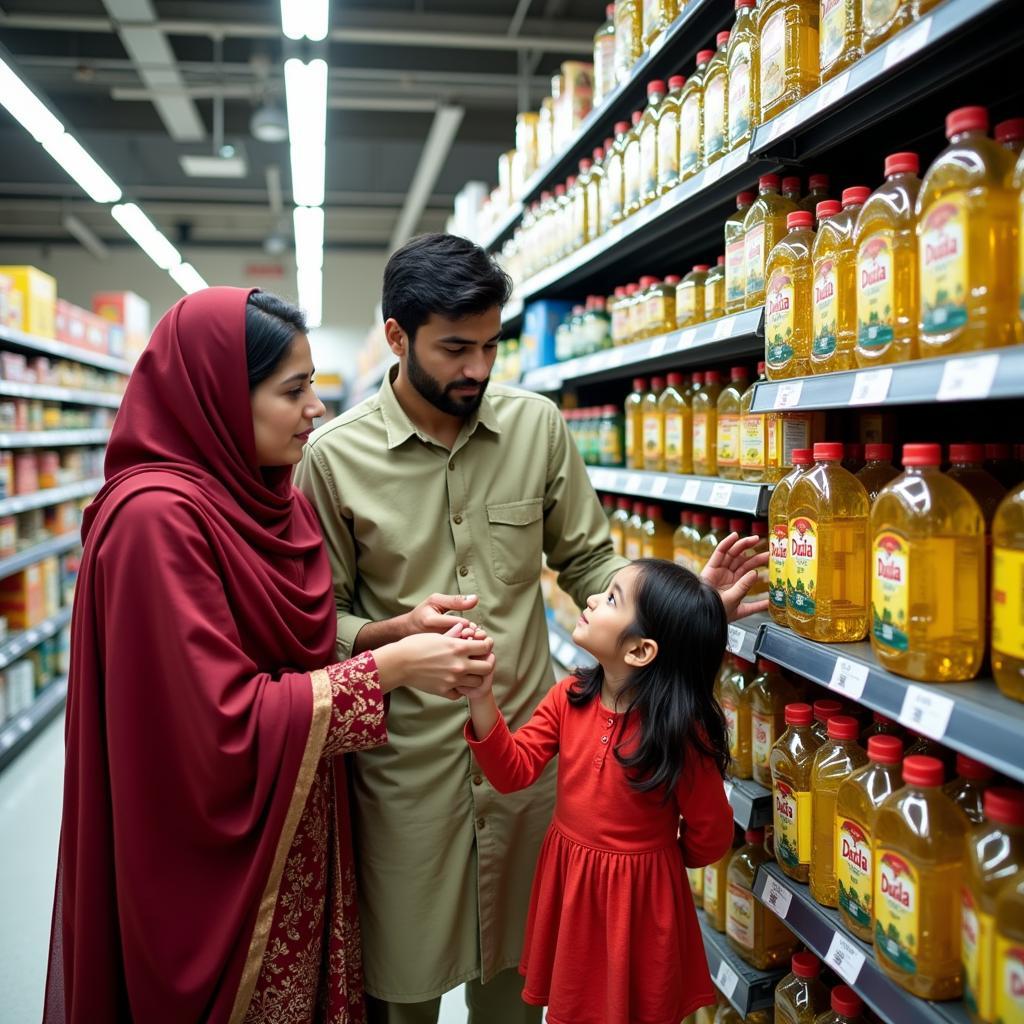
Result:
[{"x": 517, "y": 539}]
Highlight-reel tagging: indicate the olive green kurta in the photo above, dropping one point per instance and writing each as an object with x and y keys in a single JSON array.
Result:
[{"x": 445, "y": 863}]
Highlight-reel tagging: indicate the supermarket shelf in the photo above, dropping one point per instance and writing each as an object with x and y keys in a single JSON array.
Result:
[
  {"x": 563, "y": 650},
  {"x": 974, "y": 718},
  {"x": 49, "y": 393},
  {"x": 11, "y": 338},
  {"x": 30, "y": 556},
  {"x": 731, "y": 495},
  {"x": 728, "y": 336},
  {"x": 50, "y": 496},
  {"x": 745, "y": 988},
  {"x": 18, "y": 645},
  {"x": 821, "y": 931},
  {"x": 503, "y": 228},
  {"x": 882, "y": 84},
  {"x": 16, "y": 734},
  {"x": 751, "y": 804},
  {"x": 52, "y": 438},
  {"x": 995, "y": 374}
]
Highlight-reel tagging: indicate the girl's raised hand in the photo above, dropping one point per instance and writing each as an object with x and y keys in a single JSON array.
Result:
[{"x": 732, "y": 571}]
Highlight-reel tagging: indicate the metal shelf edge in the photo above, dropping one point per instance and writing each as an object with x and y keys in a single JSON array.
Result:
[
  {"x": 30, "y": 556},
  {"x": 62, "y": 350},
  {"x": 752, "y": 990},
  {"x": 730, "y": 495}
]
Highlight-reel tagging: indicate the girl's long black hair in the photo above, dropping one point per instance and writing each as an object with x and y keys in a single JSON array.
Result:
[{"x": 672, "y": 697}]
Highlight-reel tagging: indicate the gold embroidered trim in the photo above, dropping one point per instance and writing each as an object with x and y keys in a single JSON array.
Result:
[{"x": 318, "y": 726}]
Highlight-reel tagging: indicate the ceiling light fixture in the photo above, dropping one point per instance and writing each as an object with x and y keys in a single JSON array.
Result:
[
  {"x": 305, "y": 18},
  {"x": 311, "y": 294},
  {"x": 269, "y": 124},
  {"x": 306, "y": 94},
  {"x": 308, "y": 222},
  {"x": 187, "y": 278},
  {"x": 153, "y": 242}
]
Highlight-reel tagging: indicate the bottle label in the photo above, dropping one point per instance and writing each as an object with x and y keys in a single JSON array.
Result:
[
  {"x": 1009, "y": 980},
  {"x": 615, "y": 185},
  {"x": 754, "y": 249},
  {"x": 853, "y": 870},
  {"x": 729, "y": 440},
  {"x": 649, "y": 158},
  {"x": 714, "y": 116},
  {"x": 752, "y": 441},
  {"x": 778, "y": 549},
  {"x": 739, "y": 100},
  {"x": 739, "y": 916},
  {"x": 700, "y": 437},
  {"x": 681, "y": 556},
  {"x": 673, "y": 436},
  {"x": 943, "y": 253},
  {"x": 632, "y": 173},
  {"x": 878, "y": 13},
  {"x": 875, "y": 292},
  {"x": 696, "y": 877},
  {"x": 652, "y": 436},
  {"x": 711, "y": 888},
  {"x": 630, "y": 439},
  {"x": 802, "y": 577},
  {"x": 1008, "y": 602},
  {"x": 826, "y": 307},
  {"x": 792, "y": 813},
  {"x": 890, "y": 589},
  {"x": 897, "y": 911},
  {"x": 656, "y": 313},
  {"x": 634, "y": 549},
  {"x": 611, "y": 445},
  {"x": 977, "y": 952},
  {"x": 689, "y": 133},
  {"x": 668, "y": 147},
  {"x": 833, "y": 30},
  {"x": 732, "y": 727},
  {"x": 735, "y": 271},
  {"x": 762, "y": 739},
  {"x": 773, "y": 58},
  {"x": 779, "y": 302}
]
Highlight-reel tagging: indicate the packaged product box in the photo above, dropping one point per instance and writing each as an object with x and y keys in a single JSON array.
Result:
[
  {"x": 6, "y": 473},
  {"x": 8, "y": 536},
  {"x": 14, "y": 366},
  {"x": 26, "y": 473},
  {"x": 537, "y": 340},
  {"x": 97, "y": 332},
  {"x": 38, "y": 293},
  {"x": 11, "y": 305},
  {"x": 21, "y": 685},
  {"x": 51, "y": 573},
  {"x": 576, "y": 100},
  {"x": 22, "y": 598},
  {"x": 132, "y": 313}
]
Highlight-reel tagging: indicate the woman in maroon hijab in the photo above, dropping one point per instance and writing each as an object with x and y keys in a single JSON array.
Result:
[{"x": 205, "y": 869}]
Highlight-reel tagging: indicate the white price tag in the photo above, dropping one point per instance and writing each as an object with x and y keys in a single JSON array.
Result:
[
  {"x": 726, "y": 979},
  {"x": 788, "y": 394},
  {"x": 926, "y": 712},
  {"x": 782, "y": 124},
  {"x": 723, "y": 328},
  {"x": 633, "y": 483},
  {"x": 658, "y": 346},
  {"x": 905, "y": 44},
  {"x": 849, "y": 678},
  {"x": 615, "y": 357},
  {"x": 844, "y": 958},
  {"x": 690, "y": 491},
  {"x": 714, "y": 172},
  {"x": 660, "y": 486},
  {"x": 834, "y": 90},
  {"x": 967, "y": 378},
  {"x": 721, "y": 495},
  {"x": 871, "y": 387},
  {"x": 686, "y": 339},
  {"x": 734, "y": 644},
  {"x": 776, "y": 897}
]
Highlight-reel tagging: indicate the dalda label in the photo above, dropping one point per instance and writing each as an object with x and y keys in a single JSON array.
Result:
[
  {"x": 739, "y": 915},
  {"x": 1008, "y": 602},
  {"x": 779, "y": 302},
  {"x": 700, "y": 437},
  {"x": 1009, "y": 978},
  {"x": 673, "y": 436},
  {"x": 875, "y": 313},
  {"x": 977, "y": 953},
  {"x": 833, "y": 30},
  {"x": 739, "y": 100},
  {"x": 762, "y": 738},
  {"x": 802, "y": 576},
  {"x": 778, "y": 551},
  {"x": 890, "y": 581},
  {"x": 853, "y": 870},
  {"x": 773, "y": 58},
  {"x": 943, "y": 260},
  {"x": 897, "y": 911},
  {"x": 752, "y": 441},
  {"x": 729, "y": 440},
  {"x": 825, "y": 310},
  {"x": 792, "y": 818}
]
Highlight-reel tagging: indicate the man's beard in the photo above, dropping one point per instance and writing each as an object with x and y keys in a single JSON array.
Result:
[{"x": 441, "y": 397}]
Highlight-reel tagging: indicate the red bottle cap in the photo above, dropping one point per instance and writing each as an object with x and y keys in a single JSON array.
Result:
[
  {"x": 636, "y": 117},
  {"x": 760, "y": 366},
  {"x": 656, "y": 86},
  {"x": 646, "y": 281},
  {"x": 608, "y": 143},
  {"x": 720, "y": 261},
  {"x": 968, "y": 768},
  {"x": 764, "y": 665},
  {"x": 653, "y": 511},
  {"x": 738, "y": 373},
  {"x": 718, "y": 523},
  {"x": 673, "y": 279},
  {"x": 791, "y": 183},
  {"x": 799, "y": 714},
  {"x": 843, "y": 727},
  {"x": 966, "y": 453},
  {"x": 846, "y": 1002},
  {"x": 878, "y": 452},
  {"x": 922, "y": 455},
  {"x": 818, "y": 181},
  {"x": 885, "y": 749},
  {"x": 676, "y": 82},
  {"x": 674, "y": 379},
  {"x": 802, "y": 456},
  {"x": 800, "y": 219},
  {"x": 997, "y": 451},
  {"x": 701, "y": 268},
  {"x": 768, "y": 181},
  {"x": 966, "y": 119},
  {"x": 1005, "y": 805},
  {"x": 698, "y": 378},
  {"x": 624, "y": 504},
  {"x": 722, "y": 38},
  {"x": 638, "y": 508},
  {"x": 700, "y": 519},
  {"x": 559, "y": 191},
  {"x": 902, "y": 163},
  {"x": 685, "y": 518},
  {"x": 639, "y": 383},
  {"x": 826, "y": 709},
  {"x": 657, "y": 383},
  {"x": 703, "y": 56},
  {"x": 620, "y": 292},
  {"x": 826, "y": 450},
  {"x": 857, "y": 195},
  {"x": 754, "y": 836},
  {"x": 750, "y": 4},
  {"x": 607, "y": 501},
  {"x": 738, "y": 525},
  {"x": 805, "y": 965},
  {"x": 920, "y": 770},
  {"x": 744, "y": 199},
  {"x": 712, "y": 377},
  {"x": 585, "y": 165},
  {"x": 632, "y": 289},
  {"x": 759, "y": 528},
  {"x": 827, "y": 208},
  {"x": 1010, "y": 130},
  {"x": 608, "y": 410}
]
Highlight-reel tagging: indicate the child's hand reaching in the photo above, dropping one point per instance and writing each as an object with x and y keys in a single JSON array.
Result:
[
  {"x": 483, "y": 708},
  {"x": 732, "y": 571}
]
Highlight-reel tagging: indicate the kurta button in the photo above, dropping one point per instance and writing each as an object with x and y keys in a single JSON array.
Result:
[
  {"x": 480, "y": 822},
  {"x": 604, "y": 739},
  {"x": 463, "y": 571},
  {"x": 451, "y": 464},
  {"x": 457, "y": 519},
  {"x": 478, "y": 780}
]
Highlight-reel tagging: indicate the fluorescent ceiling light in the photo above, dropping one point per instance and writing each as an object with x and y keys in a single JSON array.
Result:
[
  {"x": 309, "y": 236},
  {"x": 26, "y": 108},
  {"x": 187, "y": 278},
  {"x": 308, "y": 175},
  {"x": 214, "y": 166},
  {"x": 306, "y": 95},
  {"x": 311, "y": 294},
  {"x": 305, "y": 18},
  {"x": 95, "y": 181},
  {"x": 147, "y": 235}
]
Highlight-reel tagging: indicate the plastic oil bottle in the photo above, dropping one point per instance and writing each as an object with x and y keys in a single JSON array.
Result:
[
  {"x": 834, "y": 762},
  {"x": 743, "y": 105},
  {"x": 656, "y": 541},
  {"x": 817, "y": 192},
  {"x": 1009, "y": 960},
  {"x": 677, "y": 418},
  {"x": 967, "y": 790},
  {"x": 995, "y": 853},
  {"x": 728, "y": 433},
  {"x": 846, "y": 1007},
  {"x": 919, "y": 866},
  {"x": 754, "y": 931},
  {"x": 690, "y": 296},
  {"x": 691, "y": 119},
  {"x": 668, "y": 136},
  {"x": 705, "y": 425},
  {"x": 629, "y": 43},
  {"x": 714, "y": 291},
  {"x": 735, "y": 701},
  {"x": 715, "y": 889},
  {"x": 791, "y": 186},
  {"x": 701, "y": 525},
  {"x": 681, "y": 547},
  {"x": 634, "y": 423},
  {"x": 736, "y": 255},
  {"x": 787, "y": 303},
  {"x": 717, "y": 531},
  {"x": 881, "y": 19},
  {"x": 824, "y": 711},
  {"x": 839, "y": 36},
  {"x": 885, "y": 237},
  {"x": 661, "y": 305},
  {"x": 791, "y": 762},
  {"x": 716, "y": 98},
  {"x": 763, "y": 228},
  {"x": 649, "y": 128},
  {"x": 927, "y": 573},
  {"x": 632, "y": 182},
  {"x": 752, "y": 434},
  {"x": 657, "y": 16},
  {"x": 827, "y": 596},
  {"x": 695, "y": 876},
  {"x": 788, "y": 51},
  {"x": 634, "y": 532},
  {"x": 801, "y": 995},
  {"x": 857, "y": 799},
  {"x": 653, "y": 427},
  {"x": 966, "y": 213},
  {"x": 1001, "y": 463},
  {"x": 967, "y": 468},
  {"x": 614, "y": 205},
  {"x": 878, "y": 469},
  {"x": 617, "y": 525},
  {"x": 778, "y": 536},
  {"x": 605, "y": 79},
  {"x": 1008, "y": 595},
  {"x": 834, "y": 256},
  {"x": 770, "y": 692}
]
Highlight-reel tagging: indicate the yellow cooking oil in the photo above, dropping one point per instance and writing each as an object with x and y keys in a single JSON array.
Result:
[
  {"x": 801, "y": 995},
  {"x": 839, "y": 36},
  {"x": 656, "y": 539},
  {"x": 716, "y": 99},
  {"x": 605, "y": 79},
  {"x": 681, "y": 551},
  {"x": 661, "y": 305},
  {"x": 817, "y": 192},
  {"x": 763, "y": 228},
  {"x": 967, "y": 790},
  {"x": 690, "y": 296},
  {"x": 632, "y": 171},
  {"x": 967, "y": 221},
  {"x": 967, "y": 468},
  {"x": 701, "y": 522},
  {"x": 753, "y": 427},
  {"x": 705, "y": 425},
  {"x": 736, "y": 255},
  {"x": 826, "y": 586},
  {"x": 927, "y": 572},
  {"x": 668, "y": 136},
  {"x": 918, "y": 840},
  {"x": 834, "y": 762},
  {"x": 770, "y": 692},
  {"x": 788, "y": 53},
  {"x": 691, "y": 119},
  {"x": 791, "y": 762},
  {"x": 594, "y": 195},
  {"x": 728, "y": 432},
  {"x": 878, "y": 469},
  {"x": 579, "y": 218},
  {"x": 714, "y": 291},
  {"x": 735, "y": 702},
  {"x": 791, "y": 189},
  {"x": 1018, "y": 184},
  {"x": 634, "y": 532},
  {"x": 786, "y": 432},
  {"x": 881, "y": 19},
  {"x": 743, "y": 104},
  {"x": 695, "y": 876},
  {"x": 1009, "y": 960},
  {"x": 717, "y": 530},
  {"x": 787, "y": 303},
  {"x": 778, "y": 536},
  {"x": 634, "y": 417},
  {"x": 650, "y": 125},
  {"x": 657, "y": 16},
  {"x": 614, "y": 206},
  {"x": 715, "y": 888},
  {"x": 1008, "y": 595},
  {"x": 857, "y": 799},
  {"x": 653, "y": 427},
  {"x": 617, "y": 525},
  {"x": 629, "y": 41},
  {"x": 677, "y": 417},
  {"x": 886, "y": 241}
]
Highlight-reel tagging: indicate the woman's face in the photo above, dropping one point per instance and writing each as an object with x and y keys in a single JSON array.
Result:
[{"x": 284, "y": 407}]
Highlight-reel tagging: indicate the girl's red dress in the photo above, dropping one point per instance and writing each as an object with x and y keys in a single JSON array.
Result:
[{"x": 612, "y": 937}]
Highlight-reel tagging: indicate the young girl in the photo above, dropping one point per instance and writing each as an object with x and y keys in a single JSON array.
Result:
[{"x": 611, "y": 936}]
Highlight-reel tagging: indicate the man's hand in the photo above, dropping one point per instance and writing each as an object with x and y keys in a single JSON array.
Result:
[
  {"x": 437, "y": 664},
  {"x": 732, "y": 571},
  {"x": 430, "y": 616}
]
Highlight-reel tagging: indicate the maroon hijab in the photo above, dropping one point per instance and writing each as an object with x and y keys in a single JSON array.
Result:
[{"x": 204, "y": 599}]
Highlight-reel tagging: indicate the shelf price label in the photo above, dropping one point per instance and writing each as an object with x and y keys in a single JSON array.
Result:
[
  {"x": 723, "y": 329},
  {"x": 907, "y": 43},
  {"x": 787, "y": 395},
  {"x": 657, "y": 346},
  {"x": 844, "y": 958},
  {"x": 776, "y": 897},
  {"x": 726, "y": 979},
  {"x": 686, "y": 339},
  {"x": 834, "y": 90},
  {"x": 849, "y": 678},
  {"x": 967, "y": 378},
  {"x": 871, "y": 387},
  {"x": 721, "y": 495},
  {"x": 782, "y": 124},
  {"x": 634, "y": 483},
  {"x": 926, "y": 712},
  {"x": 691, "y": 491},
  {"x": 660, "y": 486},
  {"x": 741, "y": 642}
]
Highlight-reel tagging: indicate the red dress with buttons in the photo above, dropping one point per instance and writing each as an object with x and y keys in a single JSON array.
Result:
[{"x": 612, "y": 936}]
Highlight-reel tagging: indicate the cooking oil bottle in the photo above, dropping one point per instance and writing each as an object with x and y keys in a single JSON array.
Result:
[
  {"x": 919, "y": 852},
  {"x": 1010, "y": 135},
  {"x": 668, "y": 136},
  {"x": 656, "y": 541},
  {"x": 834, "y": 326},
  {"x": 743, "y": 105},
  {"x": 1009, "y": 962},
  {"x": 770, "y": 692},
  {"x": 763, "y": 228},
  {"x": 826, "y": 587},
  {"x": 754, "y": 931},
  {"x": 1001, "y": 463},
  {"x": 634, "y": 532},
  {"x": 839, "y": 36},
  {"x": 887, "y": 299},
  {"x": 705, "y": 425},
  {"x": 1008, "y": 595},
  {"x": 966, "y": 214},
  {"x": 615, "y": 175},
  {"x": 995, "y": 853},
  {"x": 801, "y": 995},
  {"x": 791, "y": 761},
  {"x": 817, "y": 192},
  {"x": 681, "y": 554},
  {"x": 677, "y": 423},
  {"x": 967, "y": 790},
  {"x": 729, "y": 439},
  {"x": 834, "y": 762},
  {"x": 617, "y": 525},
  {"x": 716, "y": 95},
  {"x": 690, "y": 296},
  {"x": 594, "y": 195},
  {"x": 791, "y": 189},
  {"x": 691, "y": 119},
  {"x": 967, "y": 468},
  {"x": 735, "y": 701},
  {"x": 653, "y": 427},
  {"x": 717, "y": 532},
  {"x": 857, "y": 799},
  {"x": 629, "y": 41},
  {"x": 657, "y": 16},
  {"x": 715, "y": 889},
  {"x": 634, "y": 417},
  {"x": 788, "y": 51},
  {"x": 787, "y": 303},
  {"x": 605, "y": 79},
  {"x": 649, "y": 128},
  {"x": 661, "y": 305},
  {"x": 927, "y": 573},
  {"x": 632, "y": 182},
  {"x": 695, "y": 876},
  {"x": 846, "y": 1007},
  {"x": 714, "y": 291},
  {"x": 778, "y": 536},
  {"x": 701, "y": 525},
  {"x": 824, "y": 710},
  {"x": 752, "y": 433},
  {"x": 736, "y": 255},
  {"x": 881, "y": 726},
  {"x": 881, "y": 19},
  {"x": 878, "y": 469},
  {"x": 787, "y": 431}
]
